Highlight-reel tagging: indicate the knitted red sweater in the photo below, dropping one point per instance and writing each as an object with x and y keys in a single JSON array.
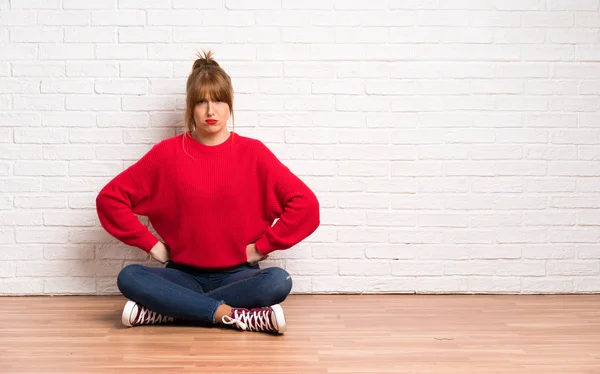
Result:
[{"x": 208, "y": 202}]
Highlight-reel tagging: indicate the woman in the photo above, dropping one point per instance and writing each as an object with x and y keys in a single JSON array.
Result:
[{"x": 212, "y": 195}]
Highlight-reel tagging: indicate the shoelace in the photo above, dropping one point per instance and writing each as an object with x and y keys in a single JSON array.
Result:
[
  {"x": 148, "y": 316},
  {"x": 251, "y": 321}
]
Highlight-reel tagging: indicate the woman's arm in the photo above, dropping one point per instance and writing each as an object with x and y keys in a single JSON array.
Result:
[{"x": 289, "y": 199}]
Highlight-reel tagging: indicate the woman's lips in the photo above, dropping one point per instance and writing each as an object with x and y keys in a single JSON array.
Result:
[{"x": 211, "y": 121}]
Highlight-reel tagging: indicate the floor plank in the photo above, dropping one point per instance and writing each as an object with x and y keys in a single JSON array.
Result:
[{"x": 326, "y": 334}]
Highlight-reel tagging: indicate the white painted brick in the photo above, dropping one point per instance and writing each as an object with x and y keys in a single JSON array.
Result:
[
  {"x": 22, "y": 286},
  {"x": 307, "y": 267},
  {"x": 442, "y": 152},
  {"x": 474, "y": 168},
  {"x": 17, "y": 18},
  {"x": 144, "y": 4},
  {"x": 18, "y": 152},
  {"x": 588, "y": 185},
  {"x": 445, "y": 184},
  {"x": 91, "y": 102},
  {"x": 68, "y": 52},
  {"x": 333, "y": 251},
  {"x": 34, "y": 135},
  {"x": 572, "y": 36},
  {"x": 21, "y": 252},
  {"x": 22, "y": 86},
  {"x": 92, "y": 69},
  {"x": 442, "y": 220},
  {"x": 198, "y": 4},
  {"x": 35, "y": 4},
  {"x": 40, "y": 168},
  {"x": 91, "y": 235},
  {"x": 573, "y": 168},
  {"x": 572, "y": 5},
  {"x": 145, "y": 103},
  {"x": 587, "y": 19},
  {"x": 587, "y": 284},
  {"x": 416, "y": 168},
  {"x": 40, "y": 235},
  {"x": 575, "y": 104},
  {"x": 548, "y": 53},
  {"x": 550, "y": 120},
  {"x": 70, "y": 285},
  {"x": 589, "y": 88},
  {"x": 315, "y": 168},
  {"x": 90, "y": 35},
  {"x": 79, "y": 218},
  {"x": 574, "y": 202},
  {"x": 144, "y": 35},
  {"x": 308, "y": 35},
  {"x": 495, "y": 19},
  {"x": 541, "y": 252},
  {"x": 97, "y": 169},
  {"x": 20, "y": 218},
  {"x": 520, "y": 268},
  {"x": 122, "y": 52},
  {"x": 37, "y": 102},
  {"x": 496, "y": 203},
  {"x": 120, "y": 18},
  {"x": 67, "y": 86},
  {"x": 469, "y": 268},
  {"x": 83, "y": 201},
  {"x": 494, "y": 285},
  {"x": 449, "y": 285},
  {"x": 588, "y": 153},
  {"x": 99, "y": 4},
  {"x": 20, "y": 185},
  {"x": 573, "y": 268},
  {"x": 547, "y": 285},
  {"x": 574, "y": 235},
  {"x": 390, "y": 218},
  {"x": 505, "y": 86},
  {"x": 19, "y": 52},
  {"x": 120, "y": 119},
  {"x": 63, "y": 18},
  {"x": 37, "y": 35},
  {"x": 69, "y": 184},
  {"x": 553, "y": 19},
  {"x": 364, "y": 267},
  {"x": 519, "y": 36},
  {"x": 68, "y": 152},
  {"x": 495, "y": 252}
]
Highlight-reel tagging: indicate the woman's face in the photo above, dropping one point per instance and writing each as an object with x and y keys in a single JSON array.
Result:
[{"x": 211, "y": 117}]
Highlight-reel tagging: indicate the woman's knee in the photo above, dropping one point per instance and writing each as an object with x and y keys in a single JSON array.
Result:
[
  {"x": 127, "y": 275},
  {"x": 281, "y": 283}
]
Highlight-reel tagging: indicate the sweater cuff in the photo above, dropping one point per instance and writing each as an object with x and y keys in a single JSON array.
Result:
[
  {"x": 263, "y": 246},
  {"x": 147, "y": 242}
]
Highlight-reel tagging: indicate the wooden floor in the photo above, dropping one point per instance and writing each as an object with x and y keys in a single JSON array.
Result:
[{"x": 326, "y": 334}]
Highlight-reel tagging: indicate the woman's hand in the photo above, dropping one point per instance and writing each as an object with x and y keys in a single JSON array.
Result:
[
  {"x": 253, "y": 256},
  {"x": 160, "y": 252}
]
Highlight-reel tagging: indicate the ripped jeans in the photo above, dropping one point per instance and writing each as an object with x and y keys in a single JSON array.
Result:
[{"x": 194, "y": 294}]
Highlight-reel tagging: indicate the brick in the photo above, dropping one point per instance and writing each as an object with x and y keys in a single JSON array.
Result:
[
  {"x": 56, "y": 51},
  {"x": 40, "y": 168},
  {"x": 579, "y": 5},
  {"x": 92, "y": 69},
  {"x": 32, "y": 135},
  {"x": 120, "y": 119},
  {"x": 312, "y": 267},
  {"x": 144, "y": 35},
  {"x": 445, "y": 184},
  {"x": 36, "y": 35},
  {"x": 67, "y": 86},
  {"x": 63, "y": 18},
  {"x": 70, "y": 286},
  {"x": 17, "y": 18},
  {"x": 19, "y": 119},
  {"x": 21, "y": 286},
  {"x": 547, "y": 285},
  {"x": 364, "y": 267},
  {"x": 69, "y": 184},
  {"x": 144, "y": 4},
  {"x": 77, "y": 218},
  {"x": 120, "y": 18},
  {"x": 96, "y": 169},
  {"x": 121, "y": 52},
  {"x": 92, "y": 102},
  {"x": 99, "y": 4},
  {"x": 494, "y": 285}
]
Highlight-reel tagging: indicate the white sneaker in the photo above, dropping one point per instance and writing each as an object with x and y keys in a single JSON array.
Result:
[
  {"x": 268, "y": 319},
  {"x": 134, "y": 315}
]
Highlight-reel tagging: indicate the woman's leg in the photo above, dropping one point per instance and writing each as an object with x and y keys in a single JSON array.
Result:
[
  {"x": 251, "y": 287},
  {"x": 169, "y": 292}
]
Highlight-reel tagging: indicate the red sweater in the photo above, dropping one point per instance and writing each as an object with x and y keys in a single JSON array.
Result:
[{"x": 208, "y": 202}]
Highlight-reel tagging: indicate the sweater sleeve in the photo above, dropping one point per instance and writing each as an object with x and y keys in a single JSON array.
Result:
[
  {"x": 290, "y": 200},
  {"x": 125, "y": 196}
]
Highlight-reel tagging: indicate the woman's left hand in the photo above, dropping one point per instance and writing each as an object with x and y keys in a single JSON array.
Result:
[{"x": 253, "y": 257}]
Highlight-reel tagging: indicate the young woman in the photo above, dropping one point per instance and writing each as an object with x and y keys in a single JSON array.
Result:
[{"x": 212, "y": 196}]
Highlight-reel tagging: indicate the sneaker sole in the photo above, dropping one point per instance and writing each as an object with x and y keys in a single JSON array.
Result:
[
  {"x": 281, "y": 326},
  {"x": 127, "y": 313}
]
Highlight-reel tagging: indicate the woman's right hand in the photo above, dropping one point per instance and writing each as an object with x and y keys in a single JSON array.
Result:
[{"x": 160, "y": 252}]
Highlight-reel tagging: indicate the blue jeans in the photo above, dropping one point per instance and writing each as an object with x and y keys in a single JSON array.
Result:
[{"x": 194, "y": 294}]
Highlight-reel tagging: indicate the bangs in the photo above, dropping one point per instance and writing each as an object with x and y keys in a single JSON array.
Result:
[{"x": 213, "y": 88}]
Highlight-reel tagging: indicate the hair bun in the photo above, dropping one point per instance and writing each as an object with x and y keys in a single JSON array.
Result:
[{"x": 205, "y": 60}]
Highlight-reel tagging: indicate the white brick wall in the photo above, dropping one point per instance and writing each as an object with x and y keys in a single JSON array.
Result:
[{"x": 454, "y": 144}]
